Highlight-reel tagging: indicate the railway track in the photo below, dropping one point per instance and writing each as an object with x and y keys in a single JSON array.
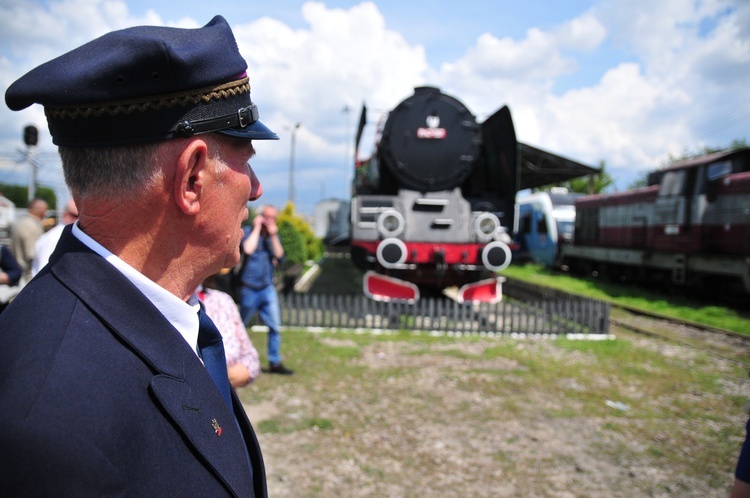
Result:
[{"x": 715, "y": 341}]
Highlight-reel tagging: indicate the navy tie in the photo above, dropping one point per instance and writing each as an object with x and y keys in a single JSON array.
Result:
[{"x": 212, "y": 352}]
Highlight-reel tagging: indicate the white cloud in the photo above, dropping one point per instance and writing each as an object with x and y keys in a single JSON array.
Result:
[
  {"x": 343, "y": 57},
  {"x": 539, "y": 57},
  {"x": 619, "y": 116},
  {"x": 696, "y": 57},
  {"x": 583, "y": 33},
  {"x": 688, "y": 60}
]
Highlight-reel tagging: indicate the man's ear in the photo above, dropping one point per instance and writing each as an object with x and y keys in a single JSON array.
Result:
[{"x": 190, "y": 176}]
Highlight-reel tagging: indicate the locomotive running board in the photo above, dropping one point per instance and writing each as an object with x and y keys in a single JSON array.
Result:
[
  {"x": 484, "y": 291},
  {"x": 383, "y": 288}
]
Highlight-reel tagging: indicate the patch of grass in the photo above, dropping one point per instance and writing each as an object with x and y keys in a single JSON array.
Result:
[
  {"x": 375, "y": 472},
  {"x": 641, "y": 298},
  {"x": 679, "y": 409},
  {"x": 269, "y": 426},
  {"x": 451, "y": 353},
  {"x": 287, "y": 426},
  {"x": 655, "y": 451}
]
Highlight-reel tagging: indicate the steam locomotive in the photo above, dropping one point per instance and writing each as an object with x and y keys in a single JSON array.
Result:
[
  {"x": 689, "y": 227},
  {"x": 433, "y": 205}
]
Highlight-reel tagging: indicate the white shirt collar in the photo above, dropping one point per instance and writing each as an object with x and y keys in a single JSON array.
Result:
[{"x": 182, "y": 315}]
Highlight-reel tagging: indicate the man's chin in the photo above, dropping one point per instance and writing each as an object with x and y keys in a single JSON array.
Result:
[{"x": 233, "y": 260}]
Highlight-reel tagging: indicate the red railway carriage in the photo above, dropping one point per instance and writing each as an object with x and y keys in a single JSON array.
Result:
[
  {"x": 691, "y": 226},
  {"x": 618, "y": 220},
  {"x": 726, "y": 227}
]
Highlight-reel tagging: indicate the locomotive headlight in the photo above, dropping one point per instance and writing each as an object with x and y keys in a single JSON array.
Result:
[
  {"x": 391, "y": 223},
  {"x": 391, "y": 253},
  {"x": 496, "y": 256},
  {"x": 485, "y": 226}
]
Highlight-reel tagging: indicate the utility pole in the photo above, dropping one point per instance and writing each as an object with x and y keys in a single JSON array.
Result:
[
  {"x": 347, "y": 164},
  {"x": 291, "y": 163},
  {"x": 31, "y": 138}
]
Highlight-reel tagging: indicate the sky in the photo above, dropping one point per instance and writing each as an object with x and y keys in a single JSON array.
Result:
[{"x": 625, "y": 82}]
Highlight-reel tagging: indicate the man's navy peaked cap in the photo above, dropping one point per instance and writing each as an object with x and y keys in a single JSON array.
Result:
[{"x": 144, "y": 84}]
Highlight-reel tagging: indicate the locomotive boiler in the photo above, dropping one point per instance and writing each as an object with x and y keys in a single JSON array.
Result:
[{"x": 433, "y": 205}]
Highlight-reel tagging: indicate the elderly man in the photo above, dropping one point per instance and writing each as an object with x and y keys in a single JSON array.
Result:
[
  {"x": 26, "y": 232},
  {"x": 48, "y": 241},
  {"x": 108, "y": 364}
]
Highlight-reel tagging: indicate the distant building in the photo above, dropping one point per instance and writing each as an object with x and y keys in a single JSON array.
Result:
[{"x": 331, "y": 221}]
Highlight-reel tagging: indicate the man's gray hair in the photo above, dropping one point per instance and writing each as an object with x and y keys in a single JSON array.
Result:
[
  {"x": 110, "y": 171},
  {"x": 120, "y": 172}
]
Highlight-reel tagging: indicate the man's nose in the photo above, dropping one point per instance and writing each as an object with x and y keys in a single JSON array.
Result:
[{"x": 256, "y": 189}]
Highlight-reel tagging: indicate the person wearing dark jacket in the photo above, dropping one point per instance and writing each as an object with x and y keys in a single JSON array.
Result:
[{"x": 113, "y": 380}]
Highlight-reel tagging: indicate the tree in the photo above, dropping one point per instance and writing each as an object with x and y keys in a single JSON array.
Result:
[
  {"x": 297, "y": 238},
  {"x": 737, "y": 143},
  {"x": 600, "y": 182},
  {"x": 292, "y": 242},
  {"x": 19, "y": 195},
  {"x": 641, "y": 181},
  {"x": 313, "y": 246}
]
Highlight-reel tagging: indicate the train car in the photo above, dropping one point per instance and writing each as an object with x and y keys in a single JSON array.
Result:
[
  {"x": 545, "y": 223},
  {"x": 691, "y": 227},
  {"x": 433, "y": 206}
]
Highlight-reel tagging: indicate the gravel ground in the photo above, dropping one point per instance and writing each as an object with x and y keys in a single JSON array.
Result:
[{"x": 408, "y": 425}]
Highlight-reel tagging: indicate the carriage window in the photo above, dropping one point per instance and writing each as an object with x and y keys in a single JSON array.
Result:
[
  {"x": 672, "y": 183},
  {"x": 541, "y": 225},
  {"x": 718, "y": 170},
  {"x": 565, "y": 229},
  {"x": 525, "y": 223}
]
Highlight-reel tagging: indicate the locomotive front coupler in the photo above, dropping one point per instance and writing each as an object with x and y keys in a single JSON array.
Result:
[{"x": 440, "y": 265}]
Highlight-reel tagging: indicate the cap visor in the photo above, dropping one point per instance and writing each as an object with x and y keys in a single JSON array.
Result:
[{"x": 256, "y": 131}]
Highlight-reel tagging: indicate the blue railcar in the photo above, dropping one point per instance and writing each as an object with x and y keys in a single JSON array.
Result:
[{"x": 545, "y": 223}]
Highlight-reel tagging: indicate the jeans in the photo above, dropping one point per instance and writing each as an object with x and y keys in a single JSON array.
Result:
[{"x": 266, "y": 303}]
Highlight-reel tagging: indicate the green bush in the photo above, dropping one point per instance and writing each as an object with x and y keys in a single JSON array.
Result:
[
  {"x": 19, "y": 195},
  {"x": 313, "y": 245},
  {"x": 292, "y": 242},
  {"x": 297, "y": 238}
]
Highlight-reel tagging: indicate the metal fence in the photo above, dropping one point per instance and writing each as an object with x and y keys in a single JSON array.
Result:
[{"x": 554, "y": 314}]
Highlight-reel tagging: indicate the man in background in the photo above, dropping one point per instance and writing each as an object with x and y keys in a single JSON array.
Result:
[
  {"x": 47, "y": 242},
  {"x": 26, "y": 231},
  {"x": 263, "y": 248}
]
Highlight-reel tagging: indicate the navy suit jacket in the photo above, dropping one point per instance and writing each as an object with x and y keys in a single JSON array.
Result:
[{"x": 101, "y": 396}]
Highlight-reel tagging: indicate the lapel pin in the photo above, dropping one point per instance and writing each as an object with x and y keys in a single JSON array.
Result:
[{"x": 216, "y": 426}]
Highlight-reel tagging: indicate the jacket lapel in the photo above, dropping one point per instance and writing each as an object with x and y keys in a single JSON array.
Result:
[
  {"x": 181, "y": 384},
  {"x": 209, "y": 426}
]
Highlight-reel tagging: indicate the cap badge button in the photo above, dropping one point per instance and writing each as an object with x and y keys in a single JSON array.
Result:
[{"x": 185, "y": 129}]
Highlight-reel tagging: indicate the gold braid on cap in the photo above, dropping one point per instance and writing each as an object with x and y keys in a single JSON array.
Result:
[{"x": 181, "y": 99}]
